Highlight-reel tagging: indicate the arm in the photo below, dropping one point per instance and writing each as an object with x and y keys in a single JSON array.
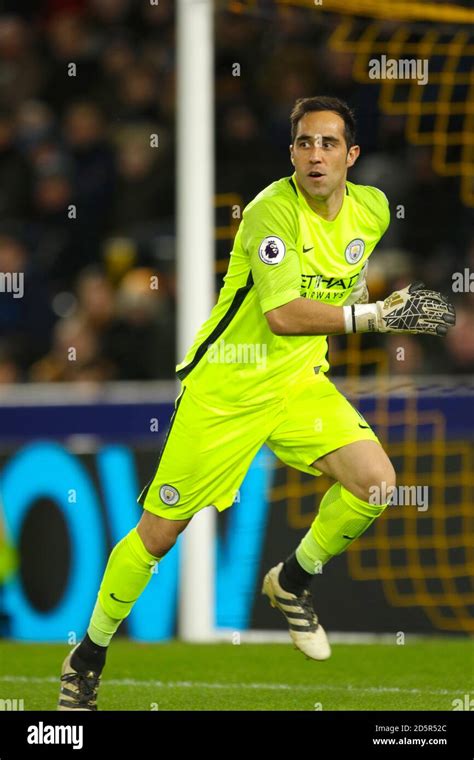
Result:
[
  {"x": 305, "y": 317},
  {"x": 269, "y": 234},
  {"x": 414, "y": 309}
]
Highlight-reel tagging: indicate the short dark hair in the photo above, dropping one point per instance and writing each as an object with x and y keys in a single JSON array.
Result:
[{"x": 325, "y": 103}]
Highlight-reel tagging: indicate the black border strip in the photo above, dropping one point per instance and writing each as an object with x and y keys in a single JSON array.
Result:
[
  {"x": 220, "y": 327},
  {"x": 141, "y": 499}
]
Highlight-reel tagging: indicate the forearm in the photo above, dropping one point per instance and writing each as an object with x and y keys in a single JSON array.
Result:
[
  {"x": 306, "y": 317},
  {"x": 414, "y": 309}
]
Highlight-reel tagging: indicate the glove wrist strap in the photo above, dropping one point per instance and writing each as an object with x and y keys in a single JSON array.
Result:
[{"x": 361, "y": 318}]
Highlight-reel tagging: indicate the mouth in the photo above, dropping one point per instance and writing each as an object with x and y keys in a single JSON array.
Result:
[{"x": 316, "y": 175}]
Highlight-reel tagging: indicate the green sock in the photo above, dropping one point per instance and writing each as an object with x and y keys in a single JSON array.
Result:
[
  {"x": 126, "y": 576},
  {"x": 342, "y": 518},
  {"x": 102, "y": 627}
]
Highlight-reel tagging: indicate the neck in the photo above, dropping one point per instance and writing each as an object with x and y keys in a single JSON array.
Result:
[{"x": 328, "y": 207}]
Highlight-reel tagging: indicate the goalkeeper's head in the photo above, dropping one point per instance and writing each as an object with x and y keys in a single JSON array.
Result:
[{"x": 323, "y": 145}]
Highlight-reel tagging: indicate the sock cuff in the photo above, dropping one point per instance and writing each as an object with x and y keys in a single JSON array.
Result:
[
  {"x": 310, "y": 554},
  {"x": 101, "y": 626},
  {"x": 359, "y": 505},
  {"x": 138, "y": 547}
]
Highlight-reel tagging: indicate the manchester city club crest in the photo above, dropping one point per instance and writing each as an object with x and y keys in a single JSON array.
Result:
[
  {"x": 169, "y": 494},
  {"x": 354, "y": 251}
]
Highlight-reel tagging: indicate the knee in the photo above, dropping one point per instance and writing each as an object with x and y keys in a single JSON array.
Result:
[
  {"x": 158, "y": 534},
  {"x": 377, "y": 482}
]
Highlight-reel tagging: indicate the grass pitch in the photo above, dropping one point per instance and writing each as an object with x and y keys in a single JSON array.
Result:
[{"x": 423, "y": 675}]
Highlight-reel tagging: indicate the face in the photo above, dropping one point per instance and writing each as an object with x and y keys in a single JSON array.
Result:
[{"x": 319, "y": 153}]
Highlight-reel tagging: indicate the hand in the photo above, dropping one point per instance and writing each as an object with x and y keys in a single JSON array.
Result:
[{"x": 414, "y": 309}]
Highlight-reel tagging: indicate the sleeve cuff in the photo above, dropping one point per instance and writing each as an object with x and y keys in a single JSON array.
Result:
[{"x": 273, "y": 302}]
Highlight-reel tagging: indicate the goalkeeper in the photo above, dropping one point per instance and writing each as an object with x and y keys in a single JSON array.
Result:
[{"x": 256, "y": 374}]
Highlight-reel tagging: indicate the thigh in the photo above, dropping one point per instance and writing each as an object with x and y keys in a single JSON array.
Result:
[
  {"x": 318, "y": 419},
  {"x": 205, "y": 457},
  {"x": 356, "y": 465}
]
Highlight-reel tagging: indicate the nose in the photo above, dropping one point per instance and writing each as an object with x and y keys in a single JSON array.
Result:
[{"x": 316, "y": 154}]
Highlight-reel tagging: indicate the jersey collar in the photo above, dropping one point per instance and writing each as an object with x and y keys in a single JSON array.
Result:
[{"x": 305, "y": 203}]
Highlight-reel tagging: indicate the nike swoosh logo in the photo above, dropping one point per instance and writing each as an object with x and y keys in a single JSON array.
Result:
[
  {"x": 349, "y": 537},
  {"x": 364, "y": 426},
  {"x": 123, "y": 601},
  {"x": 305, "y": 250}
]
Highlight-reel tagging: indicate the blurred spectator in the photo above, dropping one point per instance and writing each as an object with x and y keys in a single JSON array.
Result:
[
  {"x": 75, "y": 355},
  {"x": 72, "y": 58},
  {"x": 9, "y": 368},
  {"x": 96, "y": 299},
  {"x": 138, "y": 94},
  {"x": 138, "y": 195},
  {"x": 20, "y": 62},
  {"x": 35, "y": 125},
  {"x": 84, "y": 85},
  {"x": 56, "y": 246},
  {"x": 26, "y": 318},
  {"x": 246, "y": 159},
  {"x": 15, "y": 173},
  {"x": 141, "y": 341},
  {"x": 126, "y": 336},
  {"x": 92, "y": 175},
  {"x": 460, "y": 342}
]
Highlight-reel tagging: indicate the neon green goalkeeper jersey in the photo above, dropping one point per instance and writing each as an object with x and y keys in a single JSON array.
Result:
[{"x": 282, "y": 250}]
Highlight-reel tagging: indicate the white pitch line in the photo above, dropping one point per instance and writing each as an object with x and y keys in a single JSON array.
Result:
[{"x": 263, "y": 686}]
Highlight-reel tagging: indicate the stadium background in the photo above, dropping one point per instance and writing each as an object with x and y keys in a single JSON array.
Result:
[{"x": 76, "y": 439}]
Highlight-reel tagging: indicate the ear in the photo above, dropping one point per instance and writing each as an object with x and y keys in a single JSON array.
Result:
[
  {"x": 291, "y": 155},
  {"x": 352, "y": 155}
]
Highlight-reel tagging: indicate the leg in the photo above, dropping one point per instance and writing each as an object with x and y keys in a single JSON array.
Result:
[
  {"x": 323, "y": 432},
  {"x": 158, "y": 534},
  {"x": 193, "y": 472},
  {"x": 362, "y": 467},
  {"x": 128, "y": 572},
  {"x": 364, "y": 475},
  {"x": 363, "y": 472}
]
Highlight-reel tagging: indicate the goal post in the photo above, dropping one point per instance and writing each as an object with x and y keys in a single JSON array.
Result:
[{"x": 195, "y": 271}]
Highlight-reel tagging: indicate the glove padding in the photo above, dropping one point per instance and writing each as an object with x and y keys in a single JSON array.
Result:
[
  {"x": 360, "y": 291},
  {"x": 414, "y": 309}
]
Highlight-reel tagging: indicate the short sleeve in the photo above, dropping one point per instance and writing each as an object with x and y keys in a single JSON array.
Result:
[{"x": 269, "y": 236}]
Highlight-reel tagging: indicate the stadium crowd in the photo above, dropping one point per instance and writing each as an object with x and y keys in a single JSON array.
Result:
[{"x": 87, "y": 202}]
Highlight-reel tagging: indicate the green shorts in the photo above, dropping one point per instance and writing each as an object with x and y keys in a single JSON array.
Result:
[{"x": 208, "y": 450}]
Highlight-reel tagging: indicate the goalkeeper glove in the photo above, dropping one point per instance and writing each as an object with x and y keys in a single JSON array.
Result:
[
  {"x": 360, "y": 291},
  {"x": 415, "y": 309}
]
